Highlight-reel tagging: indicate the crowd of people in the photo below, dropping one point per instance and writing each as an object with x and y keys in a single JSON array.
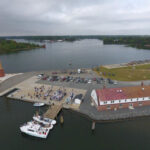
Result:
[{"x": 47, "y": 94}]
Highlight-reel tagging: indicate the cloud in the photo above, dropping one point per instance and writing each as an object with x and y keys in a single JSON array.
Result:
[{"x": 74, "y": 17}]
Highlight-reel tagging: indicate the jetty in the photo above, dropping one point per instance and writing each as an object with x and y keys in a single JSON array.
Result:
[{"x": 53, "y": 111}]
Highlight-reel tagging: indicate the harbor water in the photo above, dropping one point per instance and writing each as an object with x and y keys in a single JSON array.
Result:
[{"x": 75, "y": 133}]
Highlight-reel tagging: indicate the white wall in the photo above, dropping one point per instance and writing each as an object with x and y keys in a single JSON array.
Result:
[
  {"x": 94, "y": 96},
  {"x": 126, "y": 100}
]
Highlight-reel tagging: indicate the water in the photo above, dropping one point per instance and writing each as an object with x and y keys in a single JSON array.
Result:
[
  {"x": 85, "y": 53},
  {"x": 76, "y": 132}
]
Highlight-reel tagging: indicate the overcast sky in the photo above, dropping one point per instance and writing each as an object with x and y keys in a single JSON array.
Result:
[{"x": 74, "y": 17}]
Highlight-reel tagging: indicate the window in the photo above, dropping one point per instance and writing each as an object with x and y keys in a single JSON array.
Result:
[
  {"x": 140, "y": 103},
  {"x": 105, "y": 102},
  {"x": 120, "y": 105},
  {"x": 108, "y": 107},
  {"x": 112, "y": 102}
]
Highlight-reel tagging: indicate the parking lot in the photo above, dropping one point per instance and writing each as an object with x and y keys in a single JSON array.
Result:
[{"x": 82, "y": 80}]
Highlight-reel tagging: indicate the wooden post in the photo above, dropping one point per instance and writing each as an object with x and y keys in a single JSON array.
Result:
[
  {"x": 61, "y": 119},
  {"x": 93, "y": 125}
]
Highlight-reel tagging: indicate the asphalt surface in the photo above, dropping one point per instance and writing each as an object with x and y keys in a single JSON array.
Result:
[{"x": 15, "y": 80}]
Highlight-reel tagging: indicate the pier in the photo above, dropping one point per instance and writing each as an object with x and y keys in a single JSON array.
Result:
[{"x": 53, "y": 111}]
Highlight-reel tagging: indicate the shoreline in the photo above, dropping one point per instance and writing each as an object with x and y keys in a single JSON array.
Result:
[{"x": 85, "y": 109}]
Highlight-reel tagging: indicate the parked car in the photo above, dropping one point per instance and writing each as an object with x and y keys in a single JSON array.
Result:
[
  {"x": 94, "y": 79},
  {"x": 98, "y": 81},
  {"x": 49, "y": 79},
  {"x": 40, "y": 75},
  {"x": 115, "y": 82},
  {"x": 110, "y": 82},
  {"x": 89, "y": 81},
  {"x": 102, "y": 78}
]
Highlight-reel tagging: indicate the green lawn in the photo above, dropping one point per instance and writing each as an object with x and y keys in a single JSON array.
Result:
[{"x": 139, "y": 72}]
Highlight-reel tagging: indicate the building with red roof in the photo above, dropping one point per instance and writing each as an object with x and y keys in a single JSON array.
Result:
[{"x": 124, "y": 97}]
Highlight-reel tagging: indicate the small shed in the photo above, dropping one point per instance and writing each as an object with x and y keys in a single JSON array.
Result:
[{"x": 77, "y": 101}]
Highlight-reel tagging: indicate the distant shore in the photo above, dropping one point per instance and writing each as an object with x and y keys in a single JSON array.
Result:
[
  {"x": 11, "y": 46},
  {"x": 139, "y": 42}
]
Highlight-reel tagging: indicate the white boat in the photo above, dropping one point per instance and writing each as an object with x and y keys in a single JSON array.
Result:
[
  {"x": 38, "y": 104},
  {"x": 34, "y": 129},
  {"x": 43, "y": 120}
]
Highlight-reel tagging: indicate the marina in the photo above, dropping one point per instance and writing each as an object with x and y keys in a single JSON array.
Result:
[
  {"x": 57, "y": 95},
  {"x": 39, "y": 94},
  {"x": 74, "y": 75},
  {"x": 75, "y": 124}
]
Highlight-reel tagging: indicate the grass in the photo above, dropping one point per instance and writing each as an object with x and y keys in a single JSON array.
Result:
[{"x": 130, "y": 73}]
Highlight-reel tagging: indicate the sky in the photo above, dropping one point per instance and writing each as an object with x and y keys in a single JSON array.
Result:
[{"x": 74, "y": 17}]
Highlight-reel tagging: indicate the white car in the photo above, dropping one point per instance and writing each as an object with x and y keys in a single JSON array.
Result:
[
  {"x": 40, "y": 76},
  {"x": 90, "y": 81},
  {"x": 115, "y": 82}
]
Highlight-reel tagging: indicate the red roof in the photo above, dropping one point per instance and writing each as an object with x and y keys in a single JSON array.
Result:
[{"x": 123, "y": 93}]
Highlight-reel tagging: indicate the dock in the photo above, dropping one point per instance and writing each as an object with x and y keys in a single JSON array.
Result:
[{"x": 53, "y": 111}]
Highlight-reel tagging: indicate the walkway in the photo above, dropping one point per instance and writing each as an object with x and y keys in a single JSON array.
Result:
[{"x": 53, "y": 111}]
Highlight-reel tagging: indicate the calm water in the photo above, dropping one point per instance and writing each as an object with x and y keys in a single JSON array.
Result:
[
  {"x": 76, "y": 132},
  {"x": 85, "y": 53}
]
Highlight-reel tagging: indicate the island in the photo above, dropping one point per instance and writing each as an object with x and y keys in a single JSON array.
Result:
[
  {"x": 140, "y": 42},
  {"x": 11, "y": 46}
]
